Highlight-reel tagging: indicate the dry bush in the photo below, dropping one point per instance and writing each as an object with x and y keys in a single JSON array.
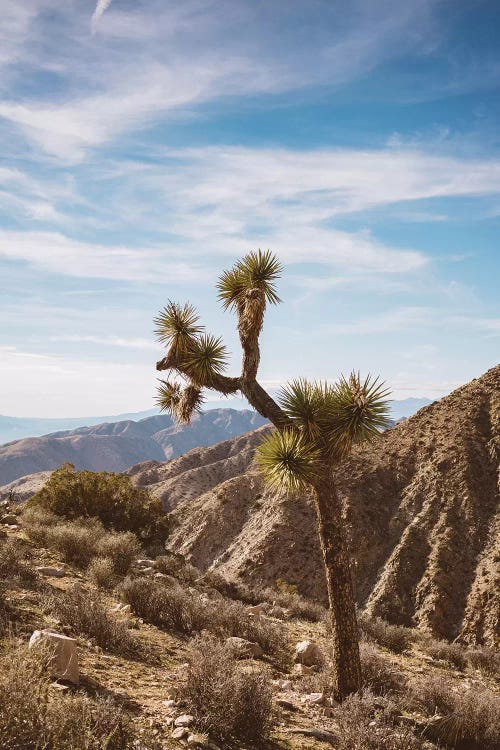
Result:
[
  {"x": 174, "y": 608},
  {"x": 14, "y": 562},
  {"x": 288, "y": 598},
  {"x": 485, "y": 660},
  {"x": 379, "y": 675},
  {"x": 450, "y": 652},
  {"x": 226, "y": 701},
  {"x": 175, "y": 565},
  {"x": 112, "y": 498},
  {"x": 121, "y": 548},
  {"x": 393, "y": 637},
  {"x": 34, "y": 717},
  {"x": 101, "y": 573},
  {"x": 81, "y": 540},
  {"x": 86, "y": 613},
  {"x": 465, "y": 718},
  {"x": 366, "y": 723}
]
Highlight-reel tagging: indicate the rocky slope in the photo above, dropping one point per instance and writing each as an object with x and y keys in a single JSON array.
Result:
[
  {"x": 114, "y": 446},
  {"x": 422, "y": 504}
]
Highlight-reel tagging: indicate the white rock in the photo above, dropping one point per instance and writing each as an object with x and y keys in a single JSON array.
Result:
[
  {"x": 286, "y": 685},
  {"x": 63, "y": 654},
  {"x": 317, "y": 699},
  {"x": 244, "y": 649},
  {"x": 308, "y": 653},
  {"x": 257, "y": 610},
  {"x": 145, "y": 563},
  {"x": 185, "y": 720},
  {"x": 46, "y": 570},
  {"x": 179, "y": 733},
  {"x": 198, "y": 740}
]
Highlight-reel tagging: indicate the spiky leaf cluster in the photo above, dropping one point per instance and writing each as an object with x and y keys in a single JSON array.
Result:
[
  {"x": 177, "y": 327},
  {"x": 181, "y": 403},
  {"x": 257, "y": 270},
  {"x": 288, "y": 460},
  {"x": 207, "y": 357}
]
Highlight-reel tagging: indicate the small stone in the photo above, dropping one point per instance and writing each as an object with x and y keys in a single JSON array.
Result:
[
  {"x": 47, "y": 570},
  {"x": 244, "y": 649},
  {"x": 286, "y": 685},
  {"x": 257, "y": 610},
  {"x": 180, "y": 733},
  {"x": 169, "y": 703},
  {"x": 145, "y": 563},
  {"x": 308, "y": 653},
  {"x": 184, "y": 720},
  {"x": 198, "y": 740},
  {"x": 316, "y": 699},
  {"x": 59, "y": 686}
]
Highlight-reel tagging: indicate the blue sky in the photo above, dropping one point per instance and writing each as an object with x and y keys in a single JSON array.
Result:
[{"x": 146, "y": 144}]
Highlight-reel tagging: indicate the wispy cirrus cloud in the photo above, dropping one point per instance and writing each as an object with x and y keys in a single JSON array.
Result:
[{"x": 100, "y": 9}]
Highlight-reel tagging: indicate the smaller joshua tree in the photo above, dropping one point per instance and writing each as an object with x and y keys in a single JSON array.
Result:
[{"x": 316, "y": 424}]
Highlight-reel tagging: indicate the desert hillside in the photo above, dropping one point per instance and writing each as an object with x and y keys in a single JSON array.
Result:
[
  {"x": 113, "y": 446},
  {"x": 422, "y": 505}
]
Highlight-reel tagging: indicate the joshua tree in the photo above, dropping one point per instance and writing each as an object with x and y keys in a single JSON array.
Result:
[{"x": 315, "y": 424}]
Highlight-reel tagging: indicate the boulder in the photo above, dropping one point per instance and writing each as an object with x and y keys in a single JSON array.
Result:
[
  {"x": 317, "y": 699},
  {"x": 199, "y": 740},
  {"x": 308, "y": 653},
  {"x": 180, "y": 733},
  {"x": 184, "y": 720},
  {"x": 244, "y": 649},
  {"x": 47, "y": 570},
  {"x": 63, "y": 656}
]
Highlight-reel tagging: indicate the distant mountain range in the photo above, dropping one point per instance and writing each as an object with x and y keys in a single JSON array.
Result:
[
  {"x": 113, "y": 446},
  {"x": 16, "y": 428}
]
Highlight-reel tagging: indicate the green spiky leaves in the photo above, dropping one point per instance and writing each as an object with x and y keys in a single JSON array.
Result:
[
  {"x": 288, "y": 461},
  {"x": 180, "y": 403},
  {"x": 356, "y": 410},
  {"x": 304, "y": 403},
  {"x": 177, "y": 327},
  {"x": 207, "y": 358},
  {"x": 257, "y": 270}
]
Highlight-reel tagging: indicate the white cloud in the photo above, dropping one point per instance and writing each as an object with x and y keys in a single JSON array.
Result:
[
  {"x": 101, "y": 7},
  {"x": 126, "y": 343}
]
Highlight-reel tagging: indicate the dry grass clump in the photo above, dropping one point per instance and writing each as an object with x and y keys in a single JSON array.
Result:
[
  {"x": 453, "y": 653},
  {"x": 226, "y": 701},
  {"x": 460, "y": 717},
  {"x": 369, "y": 723},
  {"x": 34, "y": 717},
  {"x": 485, "y": 660},
  {"x": 393, "y": 637},
  {"x": 174, "y": 608},
  {"x": 14, "y": 562},
  {"x": 81, "y": 540},
  {"x": 379, "y": 675},
  {"x": 85, "y": 612},
  {"x": 119, "y": 547},
  {"x": 101, "y": 573},
  {"x": 174, "y": 564}
]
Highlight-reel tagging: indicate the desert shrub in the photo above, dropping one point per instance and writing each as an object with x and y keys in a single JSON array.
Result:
[
  {"x": 14, "y": 562},
  {"x": 393, "y": 637},
  {"x": 76, "y": 542},
  {"x": 175, "y": 565},
  {"x": 286, "y": 596},
  {"x": 450, "y": 652},
  {"x": 484, "y": 659},
  {"x": 34, "y": 717},
  {"x": 226, "y": 701},
  {"x": 101, "y": 572},
  {"x": 119, "y": 547},
  {"x": 464, "y": 718},
  {"x": 379, "y": 675},
  {"x": 364, "y": 723},
  {"x": 112, "y": 498},
  {"x": 85, "y": 612},
  {"x": 172, "y": 607}
]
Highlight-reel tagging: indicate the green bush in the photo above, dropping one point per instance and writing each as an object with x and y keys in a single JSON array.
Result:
[{"x": 112, "y": 498}]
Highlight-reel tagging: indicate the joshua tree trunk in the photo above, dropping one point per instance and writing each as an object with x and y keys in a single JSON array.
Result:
[{"x": 347, "y": 666}]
